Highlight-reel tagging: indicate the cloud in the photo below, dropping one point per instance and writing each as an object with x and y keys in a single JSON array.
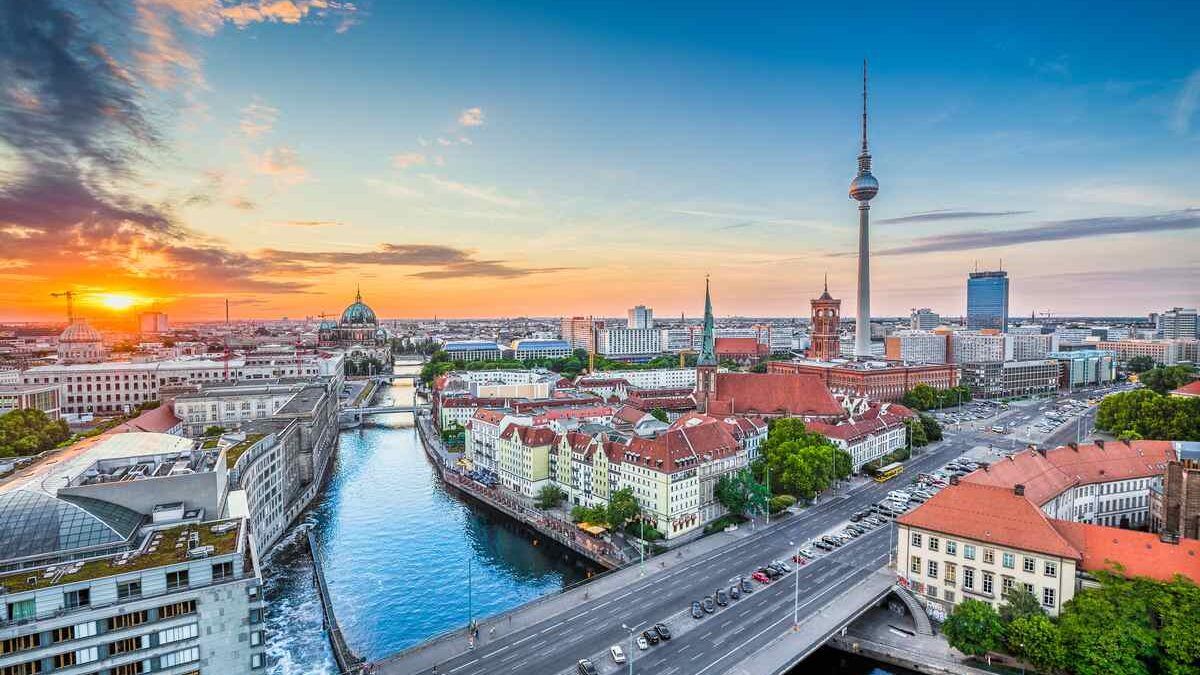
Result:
[
  {"x": 281, "y": 163},
  {"x": 471, "y": 117},
  {"x": 258, "y": 118},
  {"x": 289, "y": 11},
  {"x": 950, "y": 215},
  {"x": 487, "y": 194},
  {"x": 1079, "y": 228},
  {"x": 495, "y": 269},
  {"x": 449, "y": 262},
  {"x": 407, "y": 159},
  {"x": 444, "y": 141},
  {"x": 309, "y": 223},
  {"x": 1186, "y": 103}
]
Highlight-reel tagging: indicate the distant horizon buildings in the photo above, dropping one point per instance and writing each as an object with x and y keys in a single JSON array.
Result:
[
  {"x": 987, "y": 300},
  {"x": 641, "y": 317},
  {"x": 1178, "y": 324},
  {"x": 924, "y": 319}
]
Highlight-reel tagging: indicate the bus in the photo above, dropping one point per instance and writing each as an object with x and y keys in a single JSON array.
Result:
[{"x": 888, "y": 472}]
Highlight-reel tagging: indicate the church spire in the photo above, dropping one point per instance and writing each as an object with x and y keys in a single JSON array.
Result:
[
  {"x": 357, "y": 292},
  {"x": 708, "y": 354}
]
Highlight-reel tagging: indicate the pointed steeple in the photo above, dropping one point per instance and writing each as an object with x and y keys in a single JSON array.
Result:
[
  {"x": 357, "y": 293},
  {"x": 708, "y": 352}
]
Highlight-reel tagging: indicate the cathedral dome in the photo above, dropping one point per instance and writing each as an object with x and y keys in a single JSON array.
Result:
[
  {"x": 358, "y": 313},
  {"x": 80, "y": 331}
]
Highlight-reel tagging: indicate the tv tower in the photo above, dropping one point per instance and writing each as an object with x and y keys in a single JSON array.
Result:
[{"x": 863, "y": 189}]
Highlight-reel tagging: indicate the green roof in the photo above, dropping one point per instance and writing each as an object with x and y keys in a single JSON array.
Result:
[{"x": 233, "y": 453}]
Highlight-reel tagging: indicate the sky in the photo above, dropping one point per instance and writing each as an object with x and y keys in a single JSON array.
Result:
[{"x": 474, "y": 159}]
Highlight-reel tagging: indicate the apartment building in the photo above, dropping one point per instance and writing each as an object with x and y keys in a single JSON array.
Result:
[
  {"x": 980, "y": 347},
  {"x": 1162, "y": 352},
  {"x": 916, "y": 346},
  {"x": 1032, "y": 346},
  {"x": 869, "y": 434},
  {"x": 1011, "y": 379},
  {"x": 628, "y": 343},
  {"x": 1085, "y": 367}
]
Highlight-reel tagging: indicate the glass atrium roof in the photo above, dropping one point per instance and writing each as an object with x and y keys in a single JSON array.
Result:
[{"x": 35, "y": 523}]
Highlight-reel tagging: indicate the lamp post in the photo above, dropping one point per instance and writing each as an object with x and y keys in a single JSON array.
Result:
[
  {"x": 641, "y": 547},
  {"x": 796, "y": 591},
  {"x": 629, "y": 660}
]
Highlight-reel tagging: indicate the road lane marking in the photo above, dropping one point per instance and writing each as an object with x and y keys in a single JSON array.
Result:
[{"x": 463, "y": 665}]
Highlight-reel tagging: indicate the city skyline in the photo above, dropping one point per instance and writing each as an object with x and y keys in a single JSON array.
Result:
[{"x": 279, "y": 154}]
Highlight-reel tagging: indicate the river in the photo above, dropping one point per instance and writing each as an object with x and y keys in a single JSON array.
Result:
[{"x": 398, "y": 554}]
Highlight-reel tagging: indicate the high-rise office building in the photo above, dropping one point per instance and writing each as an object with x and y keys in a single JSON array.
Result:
[
  {"x": 580, "y": 331},
  {"x": 924, "y": 319},
  {"x": 987, "y": 300},
  {"x": 1178, "y": 324},
  {"x": 152, "y": 322},
  {"x": 641, "y": 317}
]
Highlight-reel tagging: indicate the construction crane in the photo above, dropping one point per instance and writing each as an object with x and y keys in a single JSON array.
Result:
[{"x": 70, "y": 296}]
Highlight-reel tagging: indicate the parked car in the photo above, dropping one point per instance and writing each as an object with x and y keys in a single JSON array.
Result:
[
  {"x": 696, "y": 611},
  {"x": 642, "y": 643},
  {"x": 747, "y": 587},
  {"x": 709, "y": 606},
  {"x": 781, "y": 566},
  {"x": 722, "y": 597},
  {"x": 735, "y": 592},
  {"x": 761, "y": 578},
  {"x": 807, "y": 552},
  {"x": 662, "y": 630},
  {"x": 799, "y": 559},
  {"x": 651, "y": 636},
  {"x": 618, "y": 656},
  {"x": 771, "y": 572},
  {"x": 586, "y": 667},
  {"x": 821, "y": 544},
  {"x": 853, "y": 534}
]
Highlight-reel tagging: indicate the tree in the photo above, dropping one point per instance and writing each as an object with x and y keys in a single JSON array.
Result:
[
  {"x": 550, "y": 496},
  {"x": 27, "y": 431},
  {"x": 933, "y": 430},
  {"x": 622, "y": 507},
  {"x": 916, "y": 433},
  {"x": 595, "y": 515},
  {"x": 741, "y": 494},
  {"x": 1139, "y": 364},
  {"x": 1163, "y": 379},
  {"x": 1107, "y": 630},
  {"x": 925, "y": 397},
  {"x": 1035, "y": 638},
  {"x": 1019, "y": 603},
  {"x": 781, "y": 502},
  {"x": 660, "y": 415},
  {"x": 214, "y": 430},
  {"x": 1150, "y": 415},
  {"x": 454, "y": 434},
  {"x": 974, "y": 628}
]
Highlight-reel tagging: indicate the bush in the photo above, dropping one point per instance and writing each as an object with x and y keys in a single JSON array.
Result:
[
  {"x": 781, "y": 502},
  {"x": 723, "y": 522},
  {"x": 644, "y": 532},
  {"x": 550, "y": 496}
]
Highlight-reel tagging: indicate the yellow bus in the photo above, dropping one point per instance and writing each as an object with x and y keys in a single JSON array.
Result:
[{"x": 886, "y": 473}]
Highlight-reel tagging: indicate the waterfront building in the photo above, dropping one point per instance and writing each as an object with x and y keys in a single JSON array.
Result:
[
  {"x": 988, "y": 345},
  {"x": 826, "y": 326},
  {"x": 580, "y": 332},
  {"x": 916, "y": 346},
  {"x": 1011, "y": 379},
  {"x": 80, "y": 343},
  {"x": 1085, "y": 367},
  {"x": 924, "y": 319},
  {"x": 472, "y": 350},
  {"x": 630, "y": 344},
  {"x": 541, "y": 349},
  {"x": 987, "y": 301},
  {"x": 482, "y": 435},
  {"x": 1178, "y": 324},
  {"x": 1162, "y": 352},
  {"x": 977, "y": 541},
  {"x": 877, "y": 380},
  {"x": 1029, "y": 346},
  {"x": 641, "y": 318},
  {"x": 153, "y": 323},
  {"x": 523, "y": 458},
  {"x": 359, "y": 335},
  {"x": 869, "y": 434},
  {"x": 122, "y": 558},
  {"x": 44, "y": 397}
]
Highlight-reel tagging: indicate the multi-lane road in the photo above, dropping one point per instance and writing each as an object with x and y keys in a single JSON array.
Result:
[{"x": 712, "y": 644}]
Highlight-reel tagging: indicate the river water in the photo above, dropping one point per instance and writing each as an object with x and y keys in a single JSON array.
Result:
[{"x": 398, "y": 555}]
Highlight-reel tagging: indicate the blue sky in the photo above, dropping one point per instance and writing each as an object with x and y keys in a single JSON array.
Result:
[{"x": 521, "y": 158}]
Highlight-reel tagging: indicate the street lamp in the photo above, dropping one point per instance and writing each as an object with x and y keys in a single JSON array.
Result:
[
  {"x": 796, "y": 591},
  {"x": 629, "y": 659}
]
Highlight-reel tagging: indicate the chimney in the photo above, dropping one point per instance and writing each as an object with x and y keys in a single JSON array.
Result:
[
  {"x": 954, "y": 480},
  {"x": 1100, "y": 443},
  {"x": 1019, "y": 490}
]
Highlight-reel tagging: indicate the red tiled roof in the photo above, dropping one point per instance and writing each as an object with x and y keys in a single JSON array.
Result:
[
  {"x": 158, "y": 420},
  {"x": 738, "y": 345},
  {"x": 1141, "y": 554},
  {"x": 630, "y": 414},
  {"x": 485, "y": 415},
  {"x": 877, "y": 418},
  {"x": 987, "y": 513},
  {"x": 773, "y": 393},
  {"x": 666, "y": 403},
  {"x": 682, "y": 448},
  {"x": 568, "y": 413},
  {"x": 1190, "y": 389},
  {"x": 533, "y": 437},
  {"x": 1047, "y": 476}
]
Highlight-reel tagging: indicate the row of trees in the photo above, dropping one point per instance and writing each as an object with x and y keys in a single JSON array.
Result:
[
  {"x": 25, "y": 432},
  {"x": 925, "y": 397},
  {"x": 1142, "y": 413},
  {"x": 1123, "y": 627},
  {"x": 799, "y": 462}
]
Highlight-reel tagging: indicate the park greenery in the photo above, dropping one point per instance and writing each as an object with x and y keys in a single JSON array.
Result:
[
  {"x": 1121, "y": 627},
  {"x": 925, "y": 397},
  {"x": 622, "y": 508},
  {"x": 741, "y": 494},
  {"x": 570, "y": 367},
  {"x": 1162, "y": 379},
  {"x": 1139, "y": 364},
  {"x": 549, "y": 497},
  {"x": 25, "y": 432},
  {"x": 1142, "y": 413},
  {"x": 799, "y": 462},
  {"x": 454, "y": 435}
]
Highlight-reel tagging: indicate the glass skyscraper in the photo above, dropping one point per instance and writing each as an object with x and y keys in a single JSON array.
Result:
[{"x": 987, "y": 301}]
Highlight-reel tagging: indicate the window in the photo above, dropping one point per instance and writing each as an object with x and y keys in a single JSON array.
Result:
[
  {"x": 128, "y": 644},
  {"x": 256, "y": 615},
  {"x": 949, "y": 596},
  {"x": 1008, "y": 560},
  {"x": 178, "y": 579},
  {"x": 1030, "y": 565},
  {"x": 177, "y": 609},
  {"x": 181, "y": 656},
  {"x": 969, "y": 551},
  {"x": 1007, "y": 583},
  {"x": 20, "y": 644},
  {"x": 222, "y": 571},
  {"x": 255, "y": 638},
  {"x": 178, "y": 633},
  {"x": 127, "y": 620},
  {"x": 87, "y": 655},
  {"x": 21, "y": 610},
  {"x": 951, "y": 547},
  {"x": 77, "y": 598},
  {"x": 931, "y": 591},
  {"x": 934, "y": 544},
  {"x": 989, "y": 556},
  {"x": 951, "y": 573},
  {"x": 256, "y": 661},
  {"x": 129, "y": 590},
  {"x": 64, "y": 660},
  {"x": 1028, "y": 588},
  {"x": 988, "y": 578},
  {"x": 1047, "y": 597},
  {"x": 916, "y": 539},
  {"x": 933, "y": 569},
  {"x": 1051, "y": 569},
  {"x": 969, "y": 577}
]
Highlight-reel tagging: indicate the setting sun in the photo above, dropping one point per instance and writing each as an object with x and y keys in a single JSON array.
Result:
[{"x": 117, "y": 301}]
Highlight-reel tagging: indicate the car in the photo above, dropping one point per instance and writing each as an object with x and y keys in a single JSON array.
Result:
[
  {"x": 735, "y": 592},
  {"x": 832, "y": 541},
  {"x": 874, "y": 521},
  {"x": 807, "y": 553},
  {"x": 643, "y": 643},
  {"x": 853, "y": 534},
  {"x": 771, "y": 572},
  {"x": 781, "y": 566},
  {"x": 747, "y": 587},
  {"x": 662, "y": 630},
  {"x": 722, "y": 597},
  {"x": 709, "y": 606},
  {"x": 586, "y": 667},
  {"x": 697, "y": 613},
  {"x": 618, "y": 655},
  {"x": 799, "y": 559},
  {"x": 822, "y": 545},
  {"x": 856, "y": 516},
  {"x": 651, "y": 636},
  {"x": 760, "y": 578}
]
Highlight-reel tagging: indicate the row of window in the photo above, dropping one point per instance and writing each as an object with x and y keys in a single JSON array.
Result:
[
  {"x": 1007, "y": 560},
  {"x": 987, "y": 579}
]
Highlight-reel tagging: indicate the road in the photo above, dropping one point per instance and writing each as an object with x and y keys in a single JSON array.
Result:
[{"x": 713, "y": 644}]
